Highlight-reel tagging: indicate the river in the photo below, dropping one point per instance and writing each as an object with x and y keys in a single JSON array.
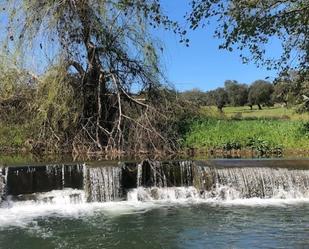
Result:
[{"x": 152, "y": 204}]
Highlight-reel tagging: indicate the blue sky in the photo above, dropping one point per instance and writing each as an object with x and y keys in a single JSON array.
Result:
[{"x": 203, "y": 65}]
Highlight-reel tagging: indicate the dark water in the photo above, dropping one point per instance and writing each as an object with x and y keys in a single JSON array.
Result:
[{"x": 203, "y": 225}]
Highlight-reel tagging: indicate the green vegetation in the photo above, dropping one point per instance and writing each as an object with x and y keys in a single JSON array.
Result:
[
  {"x": 213, "y": 133},
  {"x": 270, "y": 129},
  {"x": 13, "y": 137},
  {"x": 275, "y": 112}
]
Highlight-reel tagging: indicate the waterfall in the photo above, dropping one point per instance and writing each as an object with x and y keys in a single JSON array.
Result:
[
  {"x": 102, "y": 184},
  {"x": 2, "y": 183},
  {"x": 153, "y": 181},
  {"x": 165, "y": 174},
  {"x": 139, "y": 174},
  {"x": 250, "y": 182}
]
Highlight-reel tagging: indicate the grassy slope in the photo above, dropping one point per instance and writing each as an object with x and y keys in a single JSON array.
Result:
[
  {"x": 272, "y": 112},
  {"x": 263, "y": 127},
  {"x": 275, "y": 112}
]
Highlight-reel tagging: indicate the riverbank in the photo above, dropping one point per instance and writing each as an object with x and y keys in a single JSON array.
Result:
[
  {"x": 260, "y": 135},
  {"x": 274, "y": 130},
  {"x": 237, "y": 132}
]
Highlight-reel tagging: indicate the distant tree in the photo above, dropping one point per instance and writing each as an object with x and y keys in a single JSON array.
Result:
[
  {"x": 195, "y": 96},
  {"x": 220, "y": 98},
  {"x": 209, "y": 98},
  {"x": 283, "y": 92},
  {"x": 237, "y": 93},
  {"x": 260, "y": 92}
]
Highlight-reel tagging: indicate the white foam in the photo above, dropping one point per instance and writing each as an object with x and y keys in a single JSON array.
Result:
[
  {"x": 255, "y": 202},
  {"x": 171, "y": 194},
  {"x": 72, "y": 203},
  {"x": 61, "y": 203}
]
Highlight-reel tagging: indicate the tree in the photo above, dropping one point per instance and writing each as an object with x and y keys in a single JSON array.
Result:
[
  {"x": 283, "y": 92},
  {"x": 237, "y": 93},
  {"x": 290, "y": 87},
  {"x": 260, "y": 92},
  {"x": 101, "y": 51},
  {"x": 209, "y": 98},
  {"x": 195, "y": 96},
  {"x": 220, "y": 98},
  {"x": 250, "y": 25}
]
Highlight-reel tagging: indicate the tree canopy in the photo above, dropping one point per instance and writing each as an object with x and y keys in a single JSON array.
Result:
[
  {"x": 249, "y": 25},
  {"x": 260, "y": 92},
  {"x": 237, "y": 93},
  {"x": 218, "y": 97}
]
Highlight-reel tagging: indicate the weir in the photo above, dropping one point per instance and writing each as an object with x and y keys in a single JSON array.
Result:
[
  {"x": 155, "y": 180},
  {"x": 33, "y": 179}
]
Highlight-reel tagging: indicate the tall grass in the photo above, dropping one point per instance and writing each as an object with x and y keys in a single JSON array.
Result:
[
  {"x": 13, "y": 137},
  {"x": 214, "y": 133}
]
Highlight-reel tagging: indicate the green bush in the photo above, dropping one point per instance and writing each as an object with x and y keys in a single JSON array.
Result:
[{"x": 305, "y": 129}]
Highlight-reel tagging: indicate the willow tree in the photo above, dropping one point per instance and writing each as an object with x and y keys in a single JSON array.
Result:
[{"x": 101, "y": 51}]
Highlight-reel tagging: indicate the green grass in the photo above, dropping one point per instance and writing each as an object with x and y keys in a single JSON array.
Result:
[
  {"x": 214, "y": 133},
  {"x": 276, "y": 112},
  {"x": 12, "y": 137}
]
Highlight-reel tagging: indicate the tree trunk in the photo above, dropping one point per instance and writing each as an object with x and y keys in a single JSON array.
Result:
[
  {"x": 260, "y": 107},
  {"x": 286, "y": 104}
]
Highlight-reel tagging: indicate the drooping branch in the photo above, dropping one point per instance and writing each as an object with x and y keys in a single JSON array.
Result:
[{"x": 77, "y": 66}]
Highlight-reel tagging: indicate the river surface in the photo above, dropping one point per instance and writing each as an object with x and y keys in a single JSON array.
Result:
[
  {"x": 178, "y": 205},
  {"x": 252, "y": 224}
]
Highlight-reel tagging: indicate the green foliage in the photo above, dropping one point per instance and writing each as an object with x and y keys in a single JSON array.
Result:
[
  {"x": 195, "y": 96},
  {"x": 258, "y": 144},
  {"x": 249, "y": 25},
  {"x": 17, "y": 89},
  {"x": 260, "y": 93},
  {"x": 237, "y": 93},
  {"x": 58, "y": 107},
  {"x": 231, "y": 145},
  {"x": 218, "y": 97},
  {"x": 305, "y": 129},
  {"x": 283, "y": 92},
  {"x": 258, "y": 134},
  {"x": 13, "y": 137},
  {"x": 263, "y": 146}
]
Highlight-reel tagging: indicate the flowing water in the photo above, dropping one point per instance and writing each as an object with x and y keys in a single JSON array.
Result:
[{"x": 155, "y": 204}]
